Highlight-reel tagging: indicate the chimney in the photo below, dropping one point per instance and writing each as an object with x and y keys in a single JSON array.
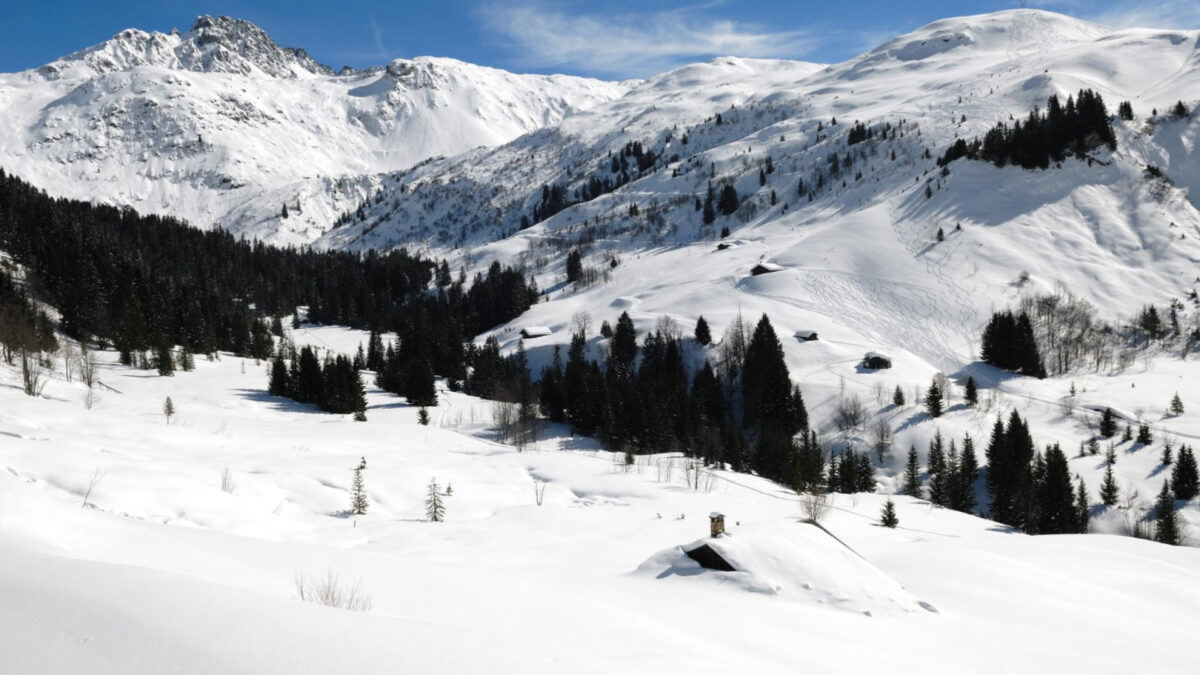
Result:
[{"x": 716, "y": 524}]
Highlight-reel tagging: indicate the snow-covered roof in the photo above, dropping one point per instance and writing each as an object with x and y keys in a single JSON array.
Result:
[
  {"x": 536, "y": 331},
  {"x": 806, "y": 334},
  {"x": 716, "y": 514},
  {"x": 768, "y": 267},
  {"x": 876, "y": 355}
]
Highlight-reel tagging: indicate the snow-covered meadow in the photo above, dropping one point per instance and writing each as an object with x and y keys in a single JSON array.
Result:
[{"x": 163, "y": 570}]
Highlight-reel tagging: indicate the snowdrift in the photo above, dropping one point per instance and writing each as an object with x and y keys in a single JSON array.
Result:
[{"x": 797, "y": 561}]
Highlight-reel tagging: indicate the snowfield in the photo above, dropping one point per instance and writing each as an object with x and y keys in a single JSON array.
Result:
[
  {"x": 163, "y": 571},
  {"x": 130, "y": 544},
  {"x": 220, "y": 126}
]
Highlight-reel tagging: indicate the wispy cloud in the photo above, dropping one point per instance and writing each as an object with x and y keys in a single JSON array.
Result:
[
  {"x": 1181, "y": 14},
  {"x": 633, "y": 44},
  {"x": 377, "y": 34}
]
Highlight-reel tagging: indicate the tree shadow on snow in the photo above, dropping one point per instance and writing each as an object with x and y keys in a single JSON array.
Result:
[{"x": 280, "y": 403}]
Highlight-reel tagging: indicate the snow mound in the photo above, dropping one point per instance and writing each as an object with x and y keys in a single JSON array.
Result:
[{"x": 793, "y": 560}]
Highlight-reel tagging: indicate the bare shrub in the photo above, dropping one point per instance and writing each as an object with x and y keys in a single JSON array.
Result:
[
  {"x": 666, "y": 468},
  {"x": 539, "y": 491},
  {"x": 93, "y": 481},
  {"x": 851, "y": 413},
  {"x": 228, "y": 483},
  {"x": 329, "y": 590},
  {"x": 581, "y": 323},
  {"x": 815, "y": 505},
  {"x": 70, "y": 359},
  {"x": 944, "y": 385},
  {"x": 85, "y": 365},
  {"x": 1066, "y": 405},
  {"x": 881, "y": 439},
  {"x": 699, "y": 478},
  {"x": 505, "y": 416},
  {"x": 90, "y": 398},
  {"x": 33, "y": 374},
  {"x": 668, "y": 327},
  {"x": 879, "y": 393}
]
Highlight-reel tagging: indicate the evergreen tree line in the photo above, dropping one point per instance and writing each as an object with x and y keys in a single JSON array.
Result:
[
  {"x": 24, "y": 328},
  {"x": 151, "y": 282},
  {"x": 1044, "y": 138},
  {"x": 640, "y": 400},
  {"x": 952, "y": 474},
  {"x": 334, "y": 384},
  {"x": 1009, "y": 343},
  {"x": 1031, "y": 490},
  {"x": 629, "y": 163}
]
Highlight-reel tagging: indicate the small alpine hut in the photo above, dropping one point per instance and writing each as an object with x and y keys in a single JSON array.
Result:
[
  {"x": 765, "y": 268},
  {"x": 706, "y": 555},
  {"x": 806, "y": 335},
  {"x": 876, "y": 361},
  {"x": 535, "y": 332}
]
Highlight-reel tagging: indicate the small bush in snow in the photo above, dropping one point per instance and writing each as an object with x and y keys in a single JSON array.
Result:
[{"x": 330, "y": 591}]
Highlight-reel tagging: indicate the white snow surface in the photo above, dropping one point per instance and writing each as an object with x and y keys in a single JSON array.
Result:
[
  {"x": 165, "y": 572},
  {"x": 574, "y": 585},
  {"x": 222, "y": 127}
]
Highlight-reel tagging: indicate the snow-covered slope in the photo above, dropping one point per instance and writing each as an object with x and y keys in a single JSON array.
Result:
[
  {"x": 164, "y": 571},
  {"x": 861, "y": 257},
  {"x": 221, "y": 126},
  {"x": 860, "y": 261}
]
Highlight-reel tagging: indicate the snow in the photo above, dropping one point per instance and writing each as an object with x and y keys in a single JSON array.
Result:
[
  {"x": 221, "y": 127},
  {"x": 572, "y": 585}
]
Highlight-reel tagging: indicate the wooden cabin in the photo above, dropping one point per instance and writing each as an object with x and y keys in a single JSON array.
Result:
[
  {"x": 765, "y": 268},
  {"x": 806, "y": 335},
  {"x": 876, "y": 361},
  {"x": 535, "y": 332}
]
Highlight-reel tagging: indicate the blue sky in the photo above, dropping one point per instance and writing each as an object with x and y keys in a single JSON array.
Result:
[{"x": 609, "y": 38}]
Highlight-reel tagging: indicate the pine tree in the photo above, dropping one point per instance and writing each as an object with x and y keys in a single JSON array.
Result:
[
  {"x": 728, "y": 202},
  {"x": 888, "y": 517},
  {"x": 574, "y": 266},
  {"x": 898, "y": 397},
  {"x": 1110, "y": 490},
  {"x": 1185, "y": 480},
  {"x": 767, "y": 402},
  {"x": 1144, "y": 436},
  {"x": 1166, "y": 523},
  {"x": 710, "y": 212},
  {"x": 1176, "y": 407},
  {"x": 703, "y": 335},
  {"x": 168, "y": 409},
  {"x": 435, "y": 510},
  {"x": 358, "y": 493},
  {"x": 1082, "y": 507},
  {"x": 912, "y": 475},
  {"x": 963, "y": 498},
  {"x": 163, "y": 361},
  {"x": 423, "y": 417},
  {"x": 1166, "y": 458},
  {"x": 1010, "y": 472},
  {"x": 933, "y": 400},
  {"x": 1128, "y": 435},
  {"x": 971, "y": 393},
  {"x": 279, "y": 385},
  {"x": 1055, "y": 498},
  {"x": 1108, "y": 423}
]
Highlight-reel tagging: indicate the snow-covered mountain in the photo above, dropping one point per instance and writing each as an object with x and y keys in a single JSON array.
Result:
[
  {"x": 221, "y": 126},
  {"x": 861, "y": 254},
  {"x": 856, "y": 248}
]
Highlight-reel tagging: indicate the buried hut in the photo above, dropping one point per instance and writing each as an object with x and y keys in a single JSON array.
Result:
[{"x": 876, "y": 361}]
